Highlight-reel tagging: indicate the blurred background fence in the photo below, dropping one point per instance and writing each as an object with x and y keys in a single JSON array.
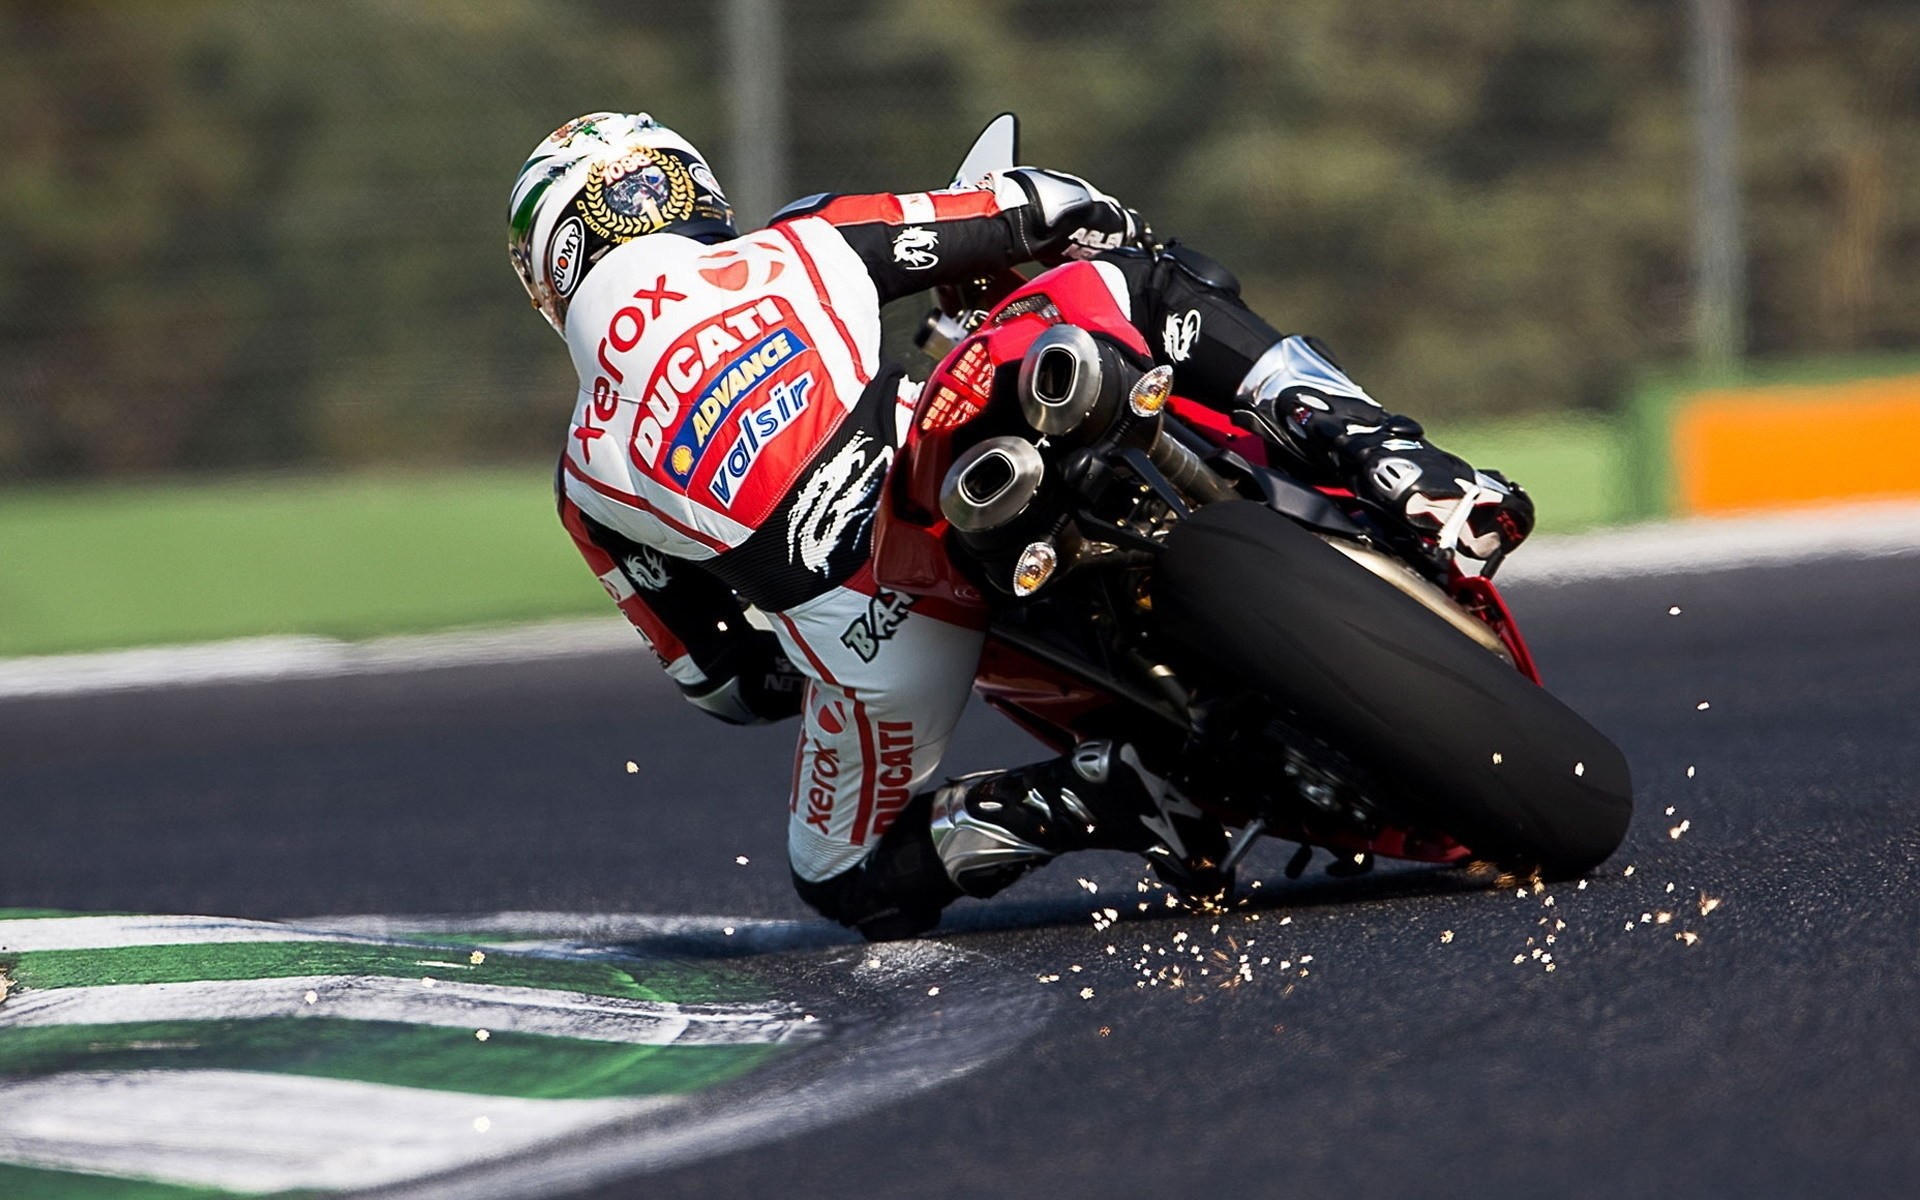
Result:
[
  {"x": 267, "y": 234},
  {"x": 251, "y": 240}
]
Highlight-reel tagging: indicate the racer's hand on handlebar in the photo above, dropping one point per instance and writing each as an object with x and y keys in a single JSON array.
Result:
[{"x": 1074, "y": 219}]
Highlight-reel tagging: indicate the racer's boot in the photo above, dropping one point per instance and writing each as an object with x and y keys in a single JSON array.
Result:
[
  {"x": 1336, "y": 429},
  {"x": 991, "y": 828},
  {"x": 977, "y": 834}
]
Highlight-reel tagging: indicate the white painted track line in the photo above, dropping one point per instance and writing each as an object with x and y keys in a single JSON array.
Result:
[
  {"x": 247, "y": 1132},
  {"x": 1703, "y": 545},
  {"x": 430, "y": 1000},
  {"x": 268, "y": 658},
  {"x": 1669, "y": 548}
]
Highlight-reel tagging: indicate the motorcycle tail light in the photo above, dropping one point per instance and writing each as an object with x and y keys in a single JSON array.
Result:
[
  {"x": 1034, "y": 567},
  {"x": 961, "y": 392},
  {"x": 1150, "y": 393}
]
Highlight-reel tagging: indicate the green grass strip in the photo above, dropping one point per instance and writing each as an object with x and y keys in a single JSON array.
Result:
[
  {"x": 352, "y": 557},
  {"x": 1574, "y": 467},
  {"x": 32, "y": 1183},
  {"x": 660, "y": 980},
  {"x": 530, "y": 1066}
]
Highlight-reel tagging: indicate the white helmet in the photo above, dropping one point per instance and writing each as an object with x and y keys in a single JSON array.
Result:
[{"x": 598, "y": 181}]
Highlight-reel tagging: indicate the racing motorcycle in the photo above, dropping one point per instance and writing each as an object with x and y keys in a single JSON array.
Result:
[{"x": 1296, "y": 663}]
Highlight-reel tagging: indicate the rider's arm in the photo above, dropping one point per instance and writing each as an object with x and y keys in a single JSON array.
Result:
[
  {"x": 694, "y": 623},
  {"x": 919, "y": 240}
]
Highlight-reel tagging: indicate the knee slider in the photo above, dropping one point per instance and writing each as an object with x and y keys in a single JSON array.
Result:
[{"x": 897, "y": 891}]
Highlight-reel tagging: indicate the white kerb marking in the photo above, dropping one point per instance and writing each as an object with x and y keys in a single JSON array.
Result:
[
  {"x": 1704, "y": 545},
  {"x": 454, "y": 1004},
  {"x": 248, "y": 1132},
  {"x": 101, "y": 933}
]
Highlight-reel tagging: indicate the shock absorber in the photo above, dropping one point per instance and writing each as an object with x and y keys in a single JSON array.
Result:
[{"x": 1185, "y": 470}]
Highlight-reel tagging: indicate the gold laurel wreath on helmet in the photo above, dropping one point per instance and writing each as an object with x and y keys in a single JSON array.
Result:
[{"x": 618, "y": 226}]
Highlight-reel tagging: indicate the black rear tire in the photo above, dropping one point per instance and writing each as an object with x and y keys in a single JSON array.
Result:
[{"x": 1471, "y": 746}]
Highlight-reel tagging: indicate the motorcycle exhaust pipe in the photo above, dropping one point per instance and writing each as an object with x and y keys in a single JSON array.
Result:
[
  {"x": 991, "y": 484},
  {"x": 1068, "y": 378}
]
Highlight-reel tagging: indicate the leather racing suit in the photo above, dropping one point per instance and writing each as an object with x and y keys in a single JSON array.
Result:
[{"x": 732, "y": 427}]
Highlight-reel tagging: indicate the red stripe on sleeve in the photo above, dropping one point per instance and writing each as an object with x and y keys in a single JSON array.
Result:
[{"x": 881, "y": 207}]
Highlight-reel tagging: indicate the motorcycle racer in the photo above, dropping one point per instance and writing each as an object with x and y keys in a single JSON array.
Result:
[{"x": 731, "y": 430}]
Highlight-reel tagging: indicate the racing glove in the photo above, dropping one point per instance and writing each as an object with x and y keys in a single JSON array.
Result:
[
  {"x": 753, "y": 683},
  {"x": 1067, "y": 217}
]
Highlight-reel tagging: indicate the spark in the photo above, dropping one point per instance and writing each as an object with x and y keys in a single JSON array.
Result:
[
  {"x": 1708, "y": 903},
  {"x": 481, "y": 1035},
  {"x": 313, "y": 997},
  {"x": 1581, "y": 886},
  {"x": 728, "y": 931},
  {"x": 1677, "y": 830},
  {"x": 1579, "y": 768},
  {"x": 1089, "y": 884},
  {"x": 740, "y": 859},
  {"x": 1702, "y": 706},
  {"x": 1669, "y": 889},
  {"x": 1689, "y": 772},
  {"x": 1106, "y": 1031},
  {"x": 1086, "y": 993},
  {"x": 481, "y": 1124},
  {"x": 633, "y": 768},
  {"x": 1669, "y": 810},
  {"x": 1688, "y": 936},
  {"x": 1497, "y": 760},
  {"x": 1629, "y": 870},
  {"x": 477, "y": 957},
  {"x": 1673, "y": 611},
  {"x": 934, "y": 990},
  {"x": 1446, "y": 935},
  {"x": 1662, "y": 918}
]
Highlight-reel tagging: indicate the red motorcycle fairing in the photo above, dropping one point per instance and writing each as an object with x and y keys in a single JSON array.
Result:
[{"x": 910, "y": 535}]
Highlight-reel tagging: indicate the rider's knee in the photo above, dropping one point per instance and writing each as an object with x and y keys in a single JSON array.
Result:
[{"x": 897, "y": 891}]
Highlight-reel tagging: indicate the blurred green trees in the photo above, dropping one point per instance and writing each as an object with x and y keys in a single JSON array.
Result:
[{"x": 253, "y": 234}]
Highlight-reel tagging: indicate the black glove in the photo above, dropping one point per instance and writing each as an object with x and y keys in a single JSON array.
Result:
[
  {"x": 1067, "y": 217},
  {"x": 753, "y": 683}
]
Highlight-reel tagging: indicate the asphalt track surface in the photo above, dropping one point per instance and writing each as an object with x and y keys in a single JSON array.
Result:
[{"x": 1775, "y": 1054}]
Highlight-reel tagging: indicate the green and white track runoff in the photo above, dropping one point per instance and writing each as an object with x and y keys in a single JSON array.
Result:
[{"x": 518, "y": 1054}]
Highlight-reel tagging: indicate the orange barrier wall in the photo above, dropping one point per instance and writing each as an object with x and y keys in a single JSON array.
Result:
[{"x": 1782, "y": 446}]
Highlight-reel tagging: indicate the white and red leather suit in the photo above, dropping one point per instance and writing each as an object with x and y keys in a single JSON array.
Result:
[{"x": 732, "y": 425}]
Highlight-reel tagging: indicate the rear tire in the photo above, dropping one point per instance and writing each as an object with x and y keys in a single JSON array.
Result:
[{"x": 1468, "y": 744}]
